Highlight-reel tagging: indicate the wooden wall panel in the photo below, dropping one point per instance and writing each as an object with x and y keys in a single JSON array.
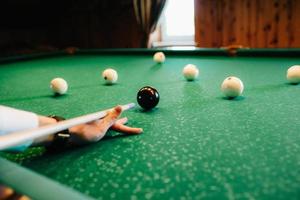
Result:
[
  {"x": 250, "y": 23},
  {"x": 283, "y": 22},
  {"x": 295, "y": 23},
  {"x": 83, "y": 24}
]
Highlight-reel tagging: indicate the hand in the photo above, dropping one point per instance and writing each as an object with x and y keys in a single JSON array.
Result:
[
  {"x": 95, "y": 130},
  {"x": 90, "y": 132}
]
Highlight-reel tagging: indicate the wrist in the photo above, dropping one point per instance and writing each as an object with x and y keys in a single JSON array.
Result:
[{"x": 61, "y": 140}]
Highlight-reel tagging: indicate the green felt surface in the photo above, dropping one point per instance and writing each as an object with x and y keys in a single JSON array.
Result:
[{"x": 195, "y": 144}]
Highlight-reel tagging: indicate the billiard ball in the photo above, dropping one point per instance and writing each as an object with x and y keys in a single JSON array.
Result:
[
  {"x": 190, "y": 72},
  {"x": 147, "y": 97},
  {"x": 59, "y": 86},
  {"x": 110, "y": 76},
  {"x": 159, "y": 57},
  {"x": 232, "y": 87},
  {"x": 293, "y": 74}
]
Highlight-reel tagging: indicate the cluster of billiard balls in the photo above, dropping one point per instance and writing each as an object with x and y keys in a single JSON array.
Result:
[
  {"x": 232, "y": 86},
  {"x": 190, "y": 71},
  {"x": 148, "y": 97}
]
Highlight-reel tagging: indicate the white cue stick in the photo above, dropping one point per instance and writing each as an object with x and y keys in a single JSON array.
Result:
[{"x": 20, "y": 137}]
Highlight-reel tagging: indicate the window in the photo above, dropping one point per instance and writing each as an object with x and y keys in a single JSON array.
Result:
[{"x": 177, "y": 24}]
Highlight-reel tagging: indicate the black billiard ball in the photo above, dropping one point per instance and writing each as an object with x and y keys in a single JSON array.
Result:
[{"x": 148, "y": 97}]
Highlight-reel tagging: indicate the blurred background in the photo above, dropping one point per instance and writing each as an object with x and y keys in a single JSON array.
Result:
[{"x": 40, "y": 26}]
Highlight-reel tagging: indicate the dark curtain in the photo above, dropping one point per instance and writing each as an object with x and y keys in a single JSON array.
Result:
[{"x": 147, "y": 13}]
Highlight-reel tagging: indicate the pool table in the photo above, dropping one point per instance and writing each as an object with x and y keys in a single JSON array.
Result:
[{"x": 196, "y": 144}]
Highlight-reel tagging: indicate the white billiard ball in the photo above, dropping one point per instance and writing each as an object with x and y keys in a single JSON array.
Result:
[
  {"x": 110, "y": 76},
  {"x": 190, "y": 72},
  {"x": 59, "y": 86},
  {"x": 293, "y": 74},
  {"x": 232, "y": 87},
  {"x": 159, "y": 57}
]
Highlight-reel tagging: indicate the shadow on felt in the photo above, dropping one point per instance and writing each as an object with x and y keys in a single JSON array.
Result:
[
  {"x": 239, "y": 98},
  {"x": 156, "y": 67}
]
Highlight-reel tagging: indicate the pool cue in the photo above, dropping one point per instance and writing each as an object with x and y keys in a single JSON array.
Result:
[{"x": 19, "y": 137}]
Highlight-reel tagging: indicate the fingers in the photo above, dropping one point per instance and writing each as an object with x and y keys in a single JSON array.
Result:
[
  {"x": 120, "y": 127},
  {"x": 118, "y": 109},
  {"x": 94, "y": 131},
  {"x": 110, "y": 118},
  {"x": 126, "y": 129},
  {"x": 123, "y": 120}
]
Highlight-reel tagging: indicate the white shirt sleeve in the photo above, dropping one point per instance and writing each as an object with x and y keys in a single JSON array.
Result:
[{"x": 12, "y": 120}]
